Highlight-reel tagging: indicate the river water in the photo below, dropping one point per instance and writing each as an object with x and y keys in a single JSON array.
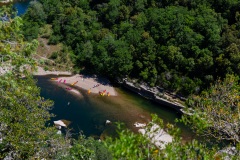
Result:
[
  {"x": 21, "y": 6},
  {"x": 89, "y": 112}
]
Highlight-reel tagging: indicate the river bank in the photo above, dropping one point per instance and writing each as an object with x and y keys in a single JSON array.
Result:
[
  {"x": 91, "y": 83},
  {"x": 156, "y": 94},
  {"x": 89, "y": 112},
  {"x": 115, "y": 108},
  {"x": 96, "y": 84}
]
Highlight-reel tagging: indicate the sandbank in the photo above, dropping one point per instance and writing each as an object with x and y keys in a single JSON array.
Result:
[{"x": 92, "y": 84}]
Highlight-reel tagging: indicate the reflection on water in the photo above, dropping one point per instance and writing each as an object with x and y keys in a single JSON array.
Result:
[{"x": 89, "y": 112}]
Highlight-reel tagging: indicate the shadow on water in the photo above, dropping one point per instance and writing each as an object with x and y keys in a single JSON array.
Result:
[{"x": 89, "y": 112}]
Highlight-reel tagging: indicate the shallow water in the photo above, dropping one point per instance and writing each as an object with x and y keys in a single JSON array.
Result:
[{"x": 89, "y": 112}]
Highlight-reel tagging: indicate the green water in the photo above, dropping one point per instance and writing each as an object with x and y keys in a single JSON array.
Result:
[{"x": 89, "y": 112}]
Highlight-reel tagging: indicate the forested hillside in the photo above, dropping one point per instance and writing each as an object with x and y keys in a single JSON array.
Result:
[{"x": 180, "y": 45}]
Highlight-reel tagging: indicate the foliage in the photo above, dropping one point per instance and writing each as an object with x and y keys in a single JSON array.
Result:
[
  {"x": 181, "y": 45},
  {"x": 137, "y": 146},
  {"x": 24, "y": 132},
  {"x": 23, "y": 112},
  {"x": 33, "y": 20},
  {"x": 189, "y": 40},
  {"x": 129, "y": 145},
  {"x": 191, "y": 150},
  {"x": 217, "y": 110},
  {"x": 88, "y": 148}
]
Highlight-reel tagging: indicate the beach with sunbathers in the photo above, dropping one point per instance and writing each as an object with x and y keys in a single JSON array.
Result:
[{"x": 90, "y": 83}]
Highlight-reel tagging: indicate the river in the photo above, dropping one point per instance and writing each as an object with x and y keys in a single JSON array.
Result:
[
  {"x": 89, "y": 112},
  {"x": 21, "y": 6}
]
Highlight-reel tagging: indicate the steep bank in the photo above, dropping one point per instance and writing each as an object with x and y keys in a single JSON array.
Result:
[{"x": 156, "y": 94}]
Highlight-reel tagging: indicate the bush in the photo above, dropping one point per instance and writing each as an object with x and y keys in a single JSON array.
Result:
[
  {"x": 54, "y": 55},
  {"x": 46, "y": 68},
  {"x": 42, "y": 61},
  {"x": 46, "y": 31},
  {"x": 54, "y": 40}
]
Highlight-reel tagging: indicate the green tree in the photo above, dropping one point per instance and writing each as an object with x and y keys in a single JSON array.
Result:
[
  {"x": 23, "y": 113},
  {"x": 217, "y": 111},
  {"x": 130, "y": 145},
  {"x": 112, "y": 14},
  {"x": 34, "y": 18},
  {"x": 87, "y": 148},
  {"x": 36, "y": 13},
  {"x": 192, "y": 40},
  {"x": 30, "y": 30}
]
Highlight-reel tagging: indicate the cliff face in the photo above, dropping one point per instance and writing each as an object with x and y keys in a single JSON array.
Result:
[{"x": 157, "y": 94}]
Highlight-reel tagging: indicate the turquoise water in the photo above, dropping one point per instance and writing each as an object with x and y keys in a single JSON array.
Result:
[
  {"x": 89, "y": 112},
  {"x": 21, "y": 7}
]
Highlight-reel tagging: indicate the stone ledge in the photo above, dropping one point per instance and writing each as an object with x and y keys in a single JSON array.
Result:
[{"x": 152, "y": 94}]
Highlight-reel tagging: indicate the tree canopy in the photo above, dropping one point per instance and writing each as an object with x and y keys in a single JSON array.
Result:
[
  {"x": 182, "y": 46},
  {"x": 217, "y": 110}
]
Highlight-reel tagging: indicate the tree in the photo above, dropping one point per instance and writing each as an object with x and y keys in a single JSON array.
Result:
[
  {"x": 217, "y": 111},
  {"x": 130, "y": 145},
  {"x": 88, "y": 148},
  {"x": 34, "y": 18},
  {"x": 112, "y": 14},
  {"x": 23, "y": 113},
  {"x": 36, "y": 13}
]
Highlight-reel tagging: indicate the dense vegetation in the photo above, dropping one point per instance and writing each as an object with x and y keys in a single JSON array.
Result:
[
  {"x": 182, "y": 46},
  {"x": 179, "y": 45}
]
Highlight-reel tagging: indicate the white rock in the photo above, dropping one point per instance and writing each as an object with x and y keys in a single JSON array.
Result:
[
  {"x": 60, "y": 123},
  {"x": 108, "y": 122},
  {"x": 157, "y": 136},
  {"x": 136, "y": 124}
]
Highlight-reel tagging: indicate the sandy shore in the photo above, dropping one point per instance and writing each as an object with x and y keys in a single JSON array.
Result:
[{"x": 92, "y": 84}]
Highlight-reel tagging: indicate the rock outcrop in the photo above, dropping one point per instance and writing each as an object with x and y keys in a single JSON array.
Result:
[{"x": 156, "y": 94}]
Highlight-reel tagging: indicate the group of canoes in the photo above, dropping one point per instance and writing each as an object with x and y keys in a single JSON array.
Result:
[
  {"x": 64, "y": 81},
  {"x": 104, "y": 92}
]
